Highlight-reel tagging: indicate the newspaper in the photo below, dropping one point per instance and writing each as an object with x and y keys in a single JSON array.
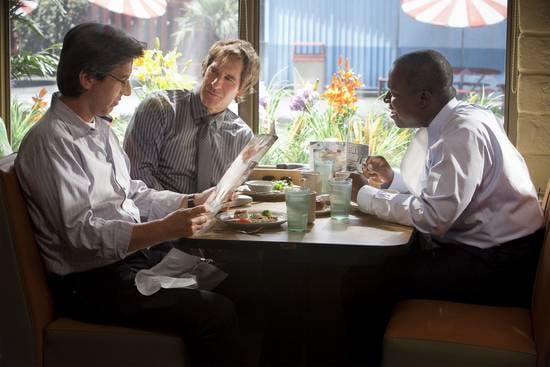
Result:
[
  {"x": 237, "y": 173},
  {"x": 345, "y": 156}
]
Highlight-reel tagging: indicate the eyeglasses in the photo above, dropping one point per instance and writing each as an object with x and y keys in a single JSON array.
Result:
[
  {"x": 124, "y": 82},
  {"x": 387, "y": 97}
]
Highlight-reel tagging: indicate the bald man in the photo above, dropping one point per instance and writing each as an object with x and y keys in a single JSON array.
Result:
[{"x": 463, "y": 186}]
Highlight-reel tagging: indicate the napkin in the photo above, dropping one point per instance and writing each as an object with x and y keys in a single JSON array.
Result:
[{"x": 179, "y": 269}]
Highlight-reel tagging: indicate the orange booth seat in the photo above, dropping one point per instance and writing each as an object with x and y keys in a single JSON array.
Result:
[
  {"x": 438, "y": 333},
  {"x": 32, "y": 333}
]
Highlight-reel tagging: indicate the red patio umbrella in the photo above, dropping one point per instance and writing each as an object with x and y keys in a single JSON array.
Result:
[
  {"x": 27, "y": 6},
  {"x": 135, "y": 8},
  {"x": 456, "y": 13}
]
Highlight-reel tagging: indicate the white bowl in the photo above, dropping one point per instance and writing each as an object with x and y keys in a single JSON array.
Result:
[
  {"x": 242, "y": 200},
  {"x": 259, "y": 185}
]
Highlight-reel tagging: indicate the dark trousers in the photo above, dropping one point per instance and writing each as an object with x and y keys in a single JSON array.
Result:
[
  {"x": 108, "y": 295},
  {"x": 501, "y": 275}
]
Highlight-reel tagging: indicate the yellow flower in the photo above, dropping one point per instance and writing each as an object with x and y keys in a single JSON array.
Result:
[
  {"x": 139, "y": 61},
  {"x": 157, "y": 70}
]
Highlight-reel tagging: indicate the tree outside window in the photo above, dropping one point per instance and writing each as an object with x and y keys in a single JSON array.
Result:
[{"x": 177, "y": 42}]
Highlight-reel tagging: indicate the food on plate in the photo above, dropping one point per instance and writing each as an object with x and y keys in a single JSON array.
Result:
[
  {"x": 240, "y": 214},
  {"x": 243, "y": 216},
  {"x": 280, "y": 185}
]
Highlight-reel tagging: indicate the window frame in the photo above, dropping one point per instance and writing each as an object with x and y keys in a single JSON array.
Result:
[
  {"x": 5, "y": 80},
  {"x": 512, "y": 72},
  {"x": 249, "y": 30}
]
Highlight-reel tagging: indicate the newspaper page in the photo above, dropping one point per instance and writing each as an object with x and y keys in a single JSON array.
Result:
[
  {"x": 237, "y": 173},
  {"x": 345, "y": 156}
]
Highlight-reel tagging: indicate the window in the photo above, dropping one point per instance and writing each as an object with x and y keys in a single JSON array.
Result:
[
  {"x": 303, "y": 43},
  {"x": 300, "y": 43},
  {"x": 178, "y": 34}
]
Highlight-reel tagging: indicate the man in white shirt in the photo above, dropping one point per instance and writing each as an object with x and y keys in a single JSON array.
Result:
[
  {"x": 466, "y": 190},
  {"x": 87, "y": 211}
]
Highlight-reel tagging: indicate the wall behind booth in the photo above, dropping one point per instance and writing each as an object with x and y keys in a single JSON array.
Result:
[{"x": 533, "y": 88}]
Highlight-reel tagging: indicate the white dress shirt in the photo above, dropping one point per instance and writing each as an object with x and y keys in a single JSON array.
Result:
[
  {"x": 476, "y": 187},
  {"x": 81, "y": 199}
]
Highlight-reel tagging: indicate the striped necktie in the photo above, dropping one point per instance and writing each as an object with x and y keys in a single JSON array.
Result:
[{"x": 204, "y": 155}]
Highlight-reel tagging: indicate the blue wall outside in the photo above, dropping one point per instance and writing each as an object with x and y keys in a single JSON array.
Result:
[{"x": 371, "y": 33}]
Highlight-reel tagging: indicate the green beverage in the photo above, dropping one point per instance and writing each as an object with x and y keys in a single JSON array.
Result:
[
  {"x": 340, "y": 198},
  {"x": 298, "y": 201}
]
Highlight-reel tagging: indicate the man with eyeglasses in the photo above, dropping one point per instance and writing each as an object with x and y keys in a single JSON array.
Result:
[
  {"x": 185, "y": 140},
  {"x": 125, "y": 81},
  {"x": 466, "y": 190},
  {"x": 87, "y": 211}
]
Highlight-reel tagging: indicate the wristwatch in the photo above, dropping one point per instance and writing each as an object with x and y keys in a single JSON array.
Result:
[{"x": 191, "y": 201}]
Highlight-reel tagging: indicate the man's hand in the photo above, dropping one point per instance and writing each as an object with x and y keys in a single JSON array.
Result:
[
  {"x": 228, "y": 199},
  {"x": 185, "y": 222},
  {"x": 378, "y": 171},
  {"x": 201, "y": 198},
  {"x": 357, "y": 181}
]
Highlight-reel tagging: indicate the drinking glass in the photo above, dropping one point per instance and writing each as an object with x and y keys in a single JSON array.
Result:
[
  {"x": 324, "y": 167},
  {"x": 340, "y": 198},
  {"x": 298, "y": 201},
  {"x": 312, "y": 180}
]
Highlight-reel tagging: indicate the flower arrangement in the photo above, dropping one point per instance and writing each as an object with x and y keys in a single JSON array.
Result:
[
  {"x": 156, "y": 71},
  {"x": 341, "y": 94},
  {"x": 332, "y": 115}
]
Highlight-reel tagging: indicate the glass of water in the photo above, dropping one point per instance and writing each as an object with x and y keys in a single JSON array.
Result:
[
  {"x": 340, "y": 198},
  {"x": 324, "y": 167},
  {"x": 298, "y": 203}
]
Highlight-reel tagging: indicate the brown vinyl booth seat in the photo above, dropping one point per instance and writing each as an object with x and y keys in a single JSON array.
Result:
[
  {"x": 31, "y": 333},
  {"x": 437, "y": 333}
]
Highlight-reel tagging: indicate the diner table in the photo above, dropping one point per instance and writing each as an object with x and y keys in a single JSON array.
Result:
[
  {"x": 355, "y": 241},
  {"x": 303, "y": 274}
]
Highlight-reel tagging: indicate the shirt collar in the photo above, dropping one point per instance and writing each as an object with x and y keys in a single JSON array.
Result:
[
  {"x": 439, "y": 121},
  {"x": 78, "y": 127},
  {"x": 199, "y": 111}
]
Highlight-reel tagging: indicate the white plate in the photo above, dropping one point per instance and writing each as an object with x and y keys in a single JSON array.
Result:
[{"x": 227, "y": 218}]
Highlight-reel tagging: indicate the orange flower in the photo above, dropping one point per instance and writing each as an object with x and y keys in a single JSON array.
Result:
[
  {"x": 341, "y": 93},
  {"x": 39, "y": 102}
]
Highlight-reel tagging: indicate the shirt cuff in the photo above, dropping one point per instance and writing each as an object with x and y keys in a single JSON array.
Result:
[
  {"x": 121, "y": 238},
  {"x": 164, "y": 203},
  {"x": 364, "y": 198},
  {"x": 398, "y": 183}
]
